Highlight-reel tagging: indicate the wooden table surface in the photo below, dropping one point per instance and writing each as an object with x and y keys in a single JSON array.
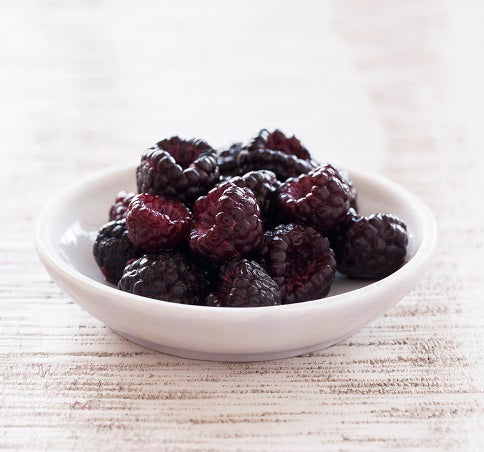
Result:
[{"x": 395, "y": 86}]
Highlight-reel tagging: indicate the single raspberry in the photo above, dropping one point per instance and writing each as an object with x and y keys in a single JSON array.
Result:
[
  {"x": 320, "y": 198},
  {"x": 273, "y": 151},
  {"x": 300, "y": 260},
  {"x": 228, "y": 160},
  {"x": 168, "y": 276},
  {"x": 244, "y": 283},
  {"x": 156, "y": 223},
  {"x": 120, "y": 206},
  {"x": 226, "y": 223},
  {"x": 112, "y": 250},
  {"x": 370, "y": 247},
  {"x": 176, "y": 168},
  {"x": 264, "y": 185},
  {"x": 278, "y": 141}
]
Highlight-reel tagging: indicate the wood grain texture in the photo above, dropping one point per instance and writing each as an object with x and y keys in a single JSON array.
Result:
[{"x": 393, "y": 86}]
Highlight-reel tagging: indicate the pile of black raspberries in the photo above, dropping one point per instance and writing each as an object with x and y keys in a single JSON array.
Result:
[{"x": 260, "y": 224}]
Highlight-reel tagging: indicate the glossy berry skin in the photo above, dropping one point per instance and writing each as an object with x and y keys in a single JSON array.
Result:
[
  {"x": 226, "y": 224},
  {"x": 300, "y": 260},
  {"x": 264, "y": 185},
  {"x": 320, "y": 198},
  {"x": 112, "y": 250},
  {"x": 156, "y": 223},
  {"x": 168, "y": 276},
  {"x": 244, "y": 283},
  {"x": 273, "y": 151},
  {"x": 213, "y": 301},
  {"x": 370, "y": 247},
  {"x": 176, "y": 168},
  {"x": 120, "y": 206},
  {"x": 228, "y": 161}
]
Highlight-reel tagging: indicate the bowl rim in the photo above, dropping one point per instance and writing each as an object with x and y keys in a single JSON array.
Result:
[{"x": 52, "y": 259}]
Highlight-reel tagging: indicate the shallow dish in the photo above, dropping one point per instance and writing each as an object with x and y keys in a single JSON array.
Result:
[{"x": 67, "y": 227}]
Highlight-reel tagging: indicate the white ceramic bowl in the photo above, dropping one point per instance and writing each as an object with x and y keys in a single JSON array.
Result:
[{"x": 66, "y": 230}]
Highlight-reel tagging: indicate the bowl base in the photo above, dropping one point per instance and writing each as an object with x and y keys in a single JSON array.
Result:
[{"x": 231, "y": 357}]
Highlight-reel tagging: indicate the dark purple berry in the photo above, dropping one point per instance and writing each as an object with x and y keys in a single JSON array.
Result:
[
  {"x": 228, "y": 160},
  {"x": 370, "y": 247},
  {"x": 278, "y": 141},
  {"x": 226, "y": 224},
  {"x": 176, "y": 168},
  {"x": 244, "y": 283},
  {"x": 120, "y": 206},
  {"x": 113, "y": 249},
  {"x": 156, "y": 223},
  {"x": 320, "y": 198},
  {"x": 273, "y": 151},
  {"x": 264, "y": 185},
  {"x": 168, "y": 276},
  {"x": 300, "y": 260}
]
